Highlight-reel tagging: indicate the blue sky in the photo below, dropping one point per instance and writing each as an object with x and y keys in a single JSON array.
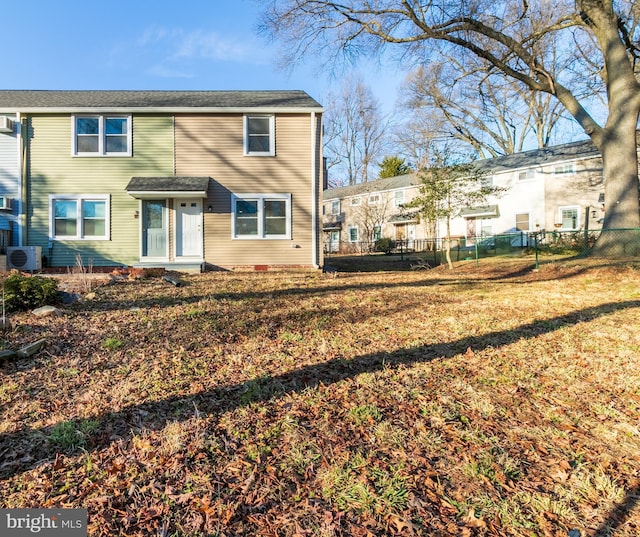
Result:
[{"x": 143, "y": 44}]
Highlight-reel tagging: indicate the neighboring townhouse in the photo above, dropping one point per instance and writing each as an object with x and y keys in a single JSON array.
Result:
[
  {"x": 556, "y": 188},
  {"x": 366, "y": 212},
  {"x": 189, "y": 180}
]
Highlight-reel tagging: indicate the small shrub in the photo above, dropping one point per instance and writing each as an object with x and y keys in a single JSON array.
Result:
[
  {"x": 385, "y": 245},
  {"x": 70, "y": 435},
  {"x": 112, "y": 343},
  {"x": 23, "y": 293}
]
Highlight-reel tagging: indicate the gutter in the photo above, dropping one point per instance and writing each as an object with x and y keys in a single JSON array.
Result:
[{"x": 166, "y": 110}]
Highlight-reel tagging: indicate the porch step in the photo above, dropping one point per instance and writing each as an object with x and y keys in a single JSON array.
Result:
[{"x": 193, "y": 267}]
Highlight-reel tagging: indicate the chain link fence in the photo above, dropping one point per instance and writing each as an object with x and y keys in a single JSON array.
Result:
[{"x": 541, "y": 245}]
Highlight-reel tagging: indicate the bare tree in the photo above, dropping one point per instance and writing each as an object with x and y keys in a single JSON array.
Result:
[
  {"x": 494, "y": 115},
  {"x": 354, "y": 132},
  {"x": 598, "y": 39},
  {"x": 371, "y": 214}
]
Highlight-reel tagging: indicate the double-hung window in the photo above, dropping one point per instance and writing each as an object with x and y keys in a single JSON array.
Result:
[
  {"x": 570, "y": 217},
  {"x": 261, "y": 216},
  {"x": 79, "y": 217},
  {"x": 101, "y": 135},
  {"x": 486, "y": 181},
  {"x": 259, "y": 135},
  {"x": 565, "y": 169},
  {"x": 526, "y": 175}
]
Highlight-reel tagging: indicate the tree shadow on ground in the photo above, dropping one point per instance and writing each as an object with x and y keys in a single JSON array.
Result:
[
  {"x": 620, "y": 514},
  {"x": 27, "y": 448}
]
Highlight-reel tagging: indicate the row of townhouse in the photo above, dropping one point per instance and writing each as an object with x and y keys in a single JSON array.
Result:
[
  {"x": 556, "y": 188},
  {"x": 189, "y": 180}
]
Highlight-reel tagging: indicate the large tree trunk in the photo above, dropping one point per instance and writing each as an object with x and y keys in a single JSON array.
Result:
[
  {"x": 620, "y": 236},
  {"x": 618, "y": 145}
]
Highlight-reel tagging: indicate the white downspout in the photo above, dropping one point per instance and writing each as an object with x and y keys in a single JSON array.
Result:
[
  {"x": 314, "y": 193},
  {"x": 21, "y": 179}
]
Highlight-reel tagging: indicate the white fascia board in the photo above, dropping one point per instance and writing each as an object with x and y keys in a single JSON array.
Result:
[
  {"x": 152, "y": 109},
  {"x": 157, "y": 194}
]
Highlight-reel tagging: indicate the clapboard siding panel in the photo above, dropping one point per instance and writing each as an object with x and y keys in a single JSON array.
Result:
[
  {"x": 54, "y": 171},
  {"x": 213, "y": 146}
]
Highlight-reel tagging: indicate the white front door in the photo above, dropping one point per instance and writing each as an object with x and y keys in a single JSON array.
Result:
[{"x": 188, "y": 227}]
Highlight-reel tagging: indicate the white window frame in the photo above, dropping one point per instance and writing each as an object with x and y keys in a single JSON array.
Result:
[
  {"x": 334, "y": 207},
  {"x": 355, "y": 202},
  {"x": 486, "y": 181},
  {"x": 398, "y": 198},
  {"x": 261, "y": 199},
  {"x": 526, "y": 175},
  {"x": 79, "y": 199},
  {"x": 353, "y": 228},
  {"x": 375, "y": 199},
  {"x": 272, "y": 135},
  {"x": 102, "y": 151},
  {"x": 568, "y": 168},
  {"x": 575, "y": 208}
]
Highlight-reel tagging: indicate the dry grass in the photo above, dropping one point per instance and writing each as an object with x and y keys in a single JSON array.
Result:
[{"x": 490, "y": 400}]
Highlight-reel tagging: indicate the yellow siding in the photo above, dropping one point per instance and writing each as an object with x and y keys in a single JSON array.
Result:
[
  {"x": 213, "y": 146},
  {"x": 54, "y": 171}
]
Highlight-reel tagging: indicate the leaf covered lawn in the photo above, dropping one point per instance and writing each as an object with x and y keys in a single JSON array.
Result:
[{"x": 491, "y": 400}]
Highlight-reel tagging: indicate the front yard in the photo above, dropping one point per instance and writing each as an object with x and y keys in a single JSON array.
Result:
[{"x": 490, "y": 400}]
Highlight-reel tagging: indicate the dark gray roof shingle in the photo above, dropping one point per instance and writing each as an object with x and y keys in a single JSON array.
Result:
[
  {"x": 168, "y": 184},
  {"x": 46, "y": 99},
  {"x": 388, "y": 183},
  {"x": 527, "y": 159}
]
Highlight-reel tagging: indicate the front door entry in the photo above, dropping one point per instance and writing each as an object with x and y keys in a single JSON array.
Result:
[
  {"x": 189, "y": 228},
  {"x": 154, "y": 228}
]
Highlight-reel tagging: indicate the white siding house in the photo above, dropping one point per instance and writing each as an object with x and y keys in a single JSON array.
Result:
[{"x": 553, "y": 188}]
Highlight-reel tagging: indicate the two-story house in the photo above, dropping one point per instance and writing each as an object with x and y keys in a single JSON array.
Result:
[
  {"x": 179, "y": 179},
  {"x": 556, "y": 188}
]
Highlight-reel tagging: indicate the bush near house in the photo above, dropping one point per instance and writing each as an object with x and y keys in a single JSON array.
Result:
[{"x": 22, "y": 292}]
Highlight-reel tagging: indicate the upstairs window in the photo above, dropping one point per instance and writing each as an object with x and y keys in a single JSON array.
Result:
[
  {"x": 103, "y": 135},
  {"x": 486, "y": 181},
  {"x": 398, "y": 198},
  {"x": 526, "y": 175},
  {"x": 356, "y": 202},
  {"x": 564, "y": 169},
  {"x": 335, "y": 207},
  {"x": 259, "y": 135},
  {"x": 374, "y": 199}
]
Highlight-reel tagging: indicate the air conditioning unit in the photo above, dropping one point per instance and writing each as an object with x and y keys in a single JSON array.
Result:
[
  {"x": 24, "y": 258},
  {"x": 5, "y": 203},
  {"x": 6, "y": 124}
]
